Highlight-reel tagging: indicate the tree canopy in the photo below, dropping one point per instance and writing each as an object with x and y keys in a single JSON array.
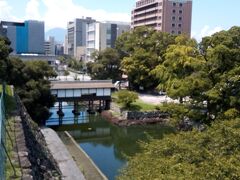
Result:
[
  {"x": 106, "y": 65},
  {"x": 212, "y": 154},
  {"x": 30, "y": 80},
  {"x": 142, "y": 50}
]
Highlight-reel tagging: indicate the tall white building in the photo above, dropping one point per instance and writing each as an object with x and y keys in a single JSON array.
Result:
[
  {"x": 76, "y": 36},
  {"x": 102, "y": 35}
]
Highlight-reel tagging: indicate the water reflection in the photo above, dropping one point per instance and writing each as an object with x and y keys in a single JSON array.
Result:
[{"x": 106, "y": 144}]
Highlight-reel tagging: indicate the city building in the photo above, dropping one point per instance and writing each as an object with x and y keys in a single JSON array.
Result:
[
  {"x": 102, "y": 35},
  {"x": 76, "y": 36},
  {"x": 172, "y": 16},
  {"x": 26, "y": 37},
  {"x": 49, "y": 46},
  {"x": 59, "y": 49}
]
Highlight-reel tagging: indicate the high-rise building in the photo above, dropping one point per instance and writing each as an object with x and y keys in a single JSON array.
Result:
[
  {"x": 102, "y": 35},
  {"x": 26, "y": 37},
  {"x": 76, "y": 35},
  {"x": 172, "y": 16},
  {"x": 49, "y": 46},
  {"x": 59, "y": 49}
]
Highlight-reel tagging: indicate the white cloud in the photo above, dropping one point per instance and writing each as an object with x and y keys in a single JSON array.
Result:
[
  {"x": 5, "y": 11},
  {"x": 59, "y": 12},
  {"x": 205, "y": 31},
  {"x": 32, "y": 10}
]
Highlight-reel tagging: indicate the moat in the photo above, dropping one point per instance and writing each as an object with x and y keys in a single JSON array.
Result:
[{"x": 106, "y": 144}]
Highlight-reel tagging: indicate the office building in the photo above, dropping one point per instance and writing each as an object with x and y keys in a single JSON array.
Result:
[
  {"x": 59, "y": 49},
  {"x": 76, "y": 36},
  {"x": 102, "y": 35},
  {"x": 49, "y": 46},
  {"x": 26, "y": 37},
  {"x": 172, "y": 16}
]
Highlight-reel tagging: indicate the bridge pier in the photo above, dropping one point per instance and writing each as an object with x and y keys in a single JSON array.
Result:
[
  {"x": 107, "y": 104},
  {"x": 75, "y": 111},
  {"x": 60, "y": 112}
]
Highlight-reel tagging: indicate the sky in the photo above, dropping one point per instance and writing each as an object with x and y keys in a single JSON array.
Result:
[{"x": 208, "y": 16}]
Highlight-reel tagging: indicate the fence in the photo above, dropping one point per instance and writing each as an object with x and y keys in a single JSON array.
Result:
[{"x": 2, "y": 134}]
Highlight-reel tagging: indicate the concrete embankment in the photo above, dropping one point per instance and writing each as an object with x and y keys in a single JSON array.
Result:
[
  {"x": 84, "y": 162},
  {"x": 66, "y": 164}
]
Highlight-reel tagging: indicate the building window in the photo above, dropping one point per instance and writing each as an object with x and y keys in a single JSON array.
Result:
[
  {"x": 179, "y": 25},
  {"x": 180, "y": 11},
  {"x": 173, "y": 18},
  {"x": 180, "y": 18},
  {"x": 159, "y": 24},
  {"x": 160, "y": 17},
  {"x": 180, "y": 4},
  {"x": 179, "y": 32},
  {"x": 174, "y": 11},
  {"x": 173, "y": 32},
  {"x": 173, "y": 25},
  {"x": 174, "y": 4}
]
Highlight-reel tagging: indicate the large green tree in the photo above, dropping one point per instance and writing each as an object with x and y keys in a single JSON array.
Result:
[
  {"x": 181, "y": 74},
  {"x": 30, "y": 80},
  {"x": 142, "y": 50},
  {"x": 222, "y": 54},
  {"x": 106, "y": 65},
  {"x": 5, "y": 50}
]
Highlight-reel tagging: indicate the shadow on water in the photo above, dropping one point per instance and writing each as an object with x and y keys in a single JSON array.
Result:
[{"x": 108, "y": 145}]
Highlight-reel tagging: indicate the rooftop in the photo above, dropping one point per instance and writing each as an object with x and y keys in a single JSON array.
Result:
[{"x": 81, "y": 84}]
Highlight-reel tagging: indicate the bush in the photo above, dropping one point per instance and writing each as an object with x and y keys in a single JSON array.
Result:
[{"x": 126, "y": 97}]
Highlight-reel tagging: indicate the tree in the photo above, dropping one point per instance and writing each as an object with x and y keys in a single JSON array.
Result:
[
  {"x": 106, "y": 65},
  {"x": 35, "y": 91},
  {"x": 5, "y": 50},
  {"x": 181, "y": 73},
  {"x": 211, "y": 154},
  {"x": 126, "y": 98},
  {"x": 31, "y": 83},
  {"x": 142, "y": 50},
  {"x": 221, "y": 52}
]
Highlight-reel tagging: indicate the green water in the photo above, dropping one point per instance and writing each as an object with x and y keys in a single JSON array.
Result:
[{"x": 108, "y": 145}]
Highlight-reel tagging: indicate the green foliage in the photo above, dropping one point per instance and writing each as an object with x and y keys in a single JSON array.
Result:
[
  {"x": 75, "y": 64},
  {"x": 221, "y": 52},
  {"x": 126, "y": 98},
  {"x": 5, "y": 50},
  {"x": 212, "y": 154},
  {"x": 30, "y": 80},
  {"x": 106, "y": 65},
  {"x": 66, "y": 73},
  {"x": 142, "y": 50}
]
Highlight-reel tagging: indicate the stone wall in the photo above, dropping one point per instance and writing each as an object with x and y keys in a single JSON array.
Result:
[
  {"x": 137, "y": 115},
  {"x": 42, "y": 163}
]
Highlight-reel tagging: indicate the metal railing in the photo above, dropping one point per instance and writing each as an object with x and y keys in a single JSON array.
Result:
[{"x": 2, "y": 134}]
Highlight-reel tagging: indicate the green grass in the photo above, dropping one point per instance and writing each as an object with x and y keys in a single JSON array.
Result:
[
  {"x": 10, "y": 101},
  {"x": 139, "y": 105},
  {"x": 144, "y": 106},
  {"x": 10, "y": 136},
  {"x": 9, "y": 170}
]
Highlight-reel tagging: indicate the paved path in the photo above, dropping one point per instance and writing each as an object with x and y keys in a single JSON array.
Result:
[
  {"x": 155, "y": 99},
  {"x": 67, "y": 166},
  {"x": 87, "y": 166}
]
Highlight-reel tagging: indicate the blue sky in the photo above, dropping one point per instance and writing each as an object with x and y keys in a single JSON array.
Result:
[{"x": 209, "y": 16}]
